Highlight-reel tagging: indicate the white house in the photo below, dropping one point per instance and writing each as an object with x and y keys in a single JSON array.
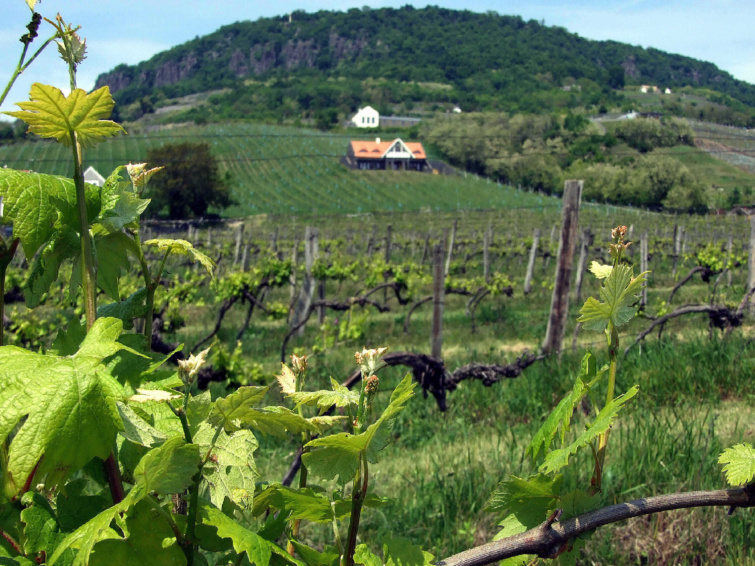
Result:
[
  {"x": 366, "y": 117},
  {"x": 92, "y": 176}
]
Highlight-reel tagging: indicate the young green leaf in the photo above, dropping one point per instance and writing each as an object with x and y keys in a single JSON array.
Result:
[
  {"x": 50, "y": 114},
  {"x": 231, "y": 471},
  {"x": 363, "y": 555},
  {"x": 167, "y": 469},
  {"x": 228, "y": 412},
  {"x": 133, "y": 306},
  {"x": 340, "y": 396},
  {"x": 619, "y": 294},
  {"x": 338, "y": 455},
  {"x": 740, "y": 464},
  {"x": 137, "y": 430},
  {"x": 399, "y": 551},
  {"x": 182, "y": 247},
  {"x": 32, "y": 201},
  {"x": 557, "y": 459},
  {"x": 63, "y": 244},
  {"x": 258, "y": 550},
  {"x": 66, "y": 406},
  {"x": 41, "y": 529},
  {"x": 150, "y": 540},
  {"x": 90, "y": 533},
  {"x": 561, "y": 415}
]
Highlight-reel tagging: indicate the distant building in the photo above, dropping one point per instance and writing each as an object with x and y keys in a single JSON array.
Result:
[
  {"x": 649, "y": 88},
  {"x": 667, "y": 91},
  {"x": 394, "y": 154},
  {"x": 366, "y": 117},
  {"x": 457, "y": 110},
  {"x": 92, "y": 176}
]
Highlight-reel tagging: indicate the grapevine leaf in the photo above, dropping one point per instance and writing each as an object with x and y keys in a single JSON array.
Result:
[
  {"x": 198, "y": 410},
  {"x": 561, "y": 415},
  {"x": 75, "y": 508},
  {"x": 399, "y": 551},
  {"x": 286, "y": 380},
  {"x": 134, "y": 306},
  {"x": 231, "y": 471},
  {"x": 258, "y": 550},
  {"x": 510, "y": 526},
  {"x": 68, "y": 339},
  {"x": 166, "y": 469},
  {"x": 42, "y": 531},
  {"x": 68, "y": 403},
  {"x": 277, "y": 421},
  {"x": 137, "y": 430},
  {"x": 323, "y": 423},
  {"x": 63, "y": 244},
  {"x": 123, "y": 211},
  {"x": 557, "y": 459},
  {"x": 363, "y": 555},
  {"x": 182, "y": 247},
  {"x": 528, "y": 499},
  {"x": 340, "y": 396},
  {"x": 342, "y": 507},
  {"x": 50, "y": 114},
  {"x": 229, "y": 411},
  {"x": 740, "y": 464},
  {"x": 89, "y": 534},
  {"x": 134, "y": 365},
  {"x": 28, "y": 204},
  {"x": 304, "y": 503},
  {"x": 150, "y": 541},
  {"x": 111, "y": 262},
  {"x": 329, "y": 557},
  {"x": 619, "y": 294},
  {"x": 338, "y": 454}
]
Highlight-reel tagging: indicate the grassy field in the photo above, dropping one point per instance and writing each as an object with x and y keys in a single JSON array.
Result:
[{"x": 285, "y": 170}]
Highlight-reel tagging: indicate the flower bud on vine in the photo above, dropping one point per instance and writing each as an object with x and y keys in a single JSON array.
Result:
[
  {"x": 187, "y": 369},
  {"x": 299, "y": 363},
  {"x": 370, "y": 360}
]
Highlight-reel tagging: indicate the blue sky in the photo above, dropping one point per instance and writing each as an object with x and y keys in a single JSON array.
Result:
[{"x": 129, "y": 31}]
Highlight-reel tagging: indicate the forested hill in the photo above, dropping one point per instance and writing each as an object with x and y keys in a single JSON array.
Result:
[{"x": 483, "y": 57}]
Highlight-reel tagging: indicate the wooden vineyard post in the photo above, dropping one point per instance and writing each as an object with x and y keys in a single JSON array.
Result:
[
  {"x": 677, "y": 248},
  {"x": 729, "y": 258},
  {"x": 425, "y": 249},
  {"x": 292, "y": 277},
  {"x": 451, "y": 247},
  {"x": 245, "y": 256},
  {"x": 554, "y": 335},
  {"x": 439, "y": 297},
  {"x": 208, "y": 242},
  {"x": 751, "y": 260},
  {"x": 583, "y": 248},
  {"x": 239, "y": 237},
  {"x": 643, "y": 268},
  {"x": 486, "y": 240},
  {"x": 531, "y": 263},
  {"x": 311, "y": 249},
  {"x": 387, "y": 257}
]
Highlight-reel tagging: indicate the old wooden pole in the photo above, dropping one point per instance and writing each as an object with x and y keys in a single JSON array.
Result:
[
  {"x": 643, "y": 268},
  {"x": 554, "y": 335},
  {"x": 451, "y": 247},
  {"x": 239, "y": 238},
  {"x": 531, "y": 263},
  {"x": 439, "y": 297},
  {"x": 486, "y": 240},
  {"x": 751, "y": 261},
  {"x": 583, "y": 248},
  {"x": 729, "y": 259}
]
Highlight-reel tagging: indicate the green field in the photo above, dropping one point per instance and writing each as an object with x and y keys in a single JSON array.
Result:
[{"x": 284, "y": 170}]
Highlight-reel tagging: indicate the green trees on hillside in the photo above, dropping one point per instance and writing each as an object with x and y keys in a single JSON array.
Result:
[
  {"x": 190, "y": 184},
  {"x": 539, "y": 151}
]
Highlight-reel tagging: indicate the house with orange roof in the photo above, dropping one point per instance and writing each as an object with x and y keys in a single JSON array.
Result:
[{"x": 394, "y": 154}]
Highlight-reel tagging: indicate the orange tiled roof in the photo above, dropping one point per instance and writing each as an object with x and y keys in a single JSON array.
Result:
[{"x": 376, "y": 150}]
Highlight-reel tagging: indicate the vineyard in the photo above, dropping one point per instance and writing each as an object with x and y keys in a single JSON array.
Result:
[
  {"x": 371, "y": 282},
  {"x": 188, "y": 393},
  {"x": 286, "y": 170}
]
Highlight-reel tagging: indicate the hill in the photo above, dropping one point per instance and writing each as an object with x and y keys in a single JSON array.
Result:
[
  {"x": 302, "y": 64},
  {"x": 283, "y": 170}
]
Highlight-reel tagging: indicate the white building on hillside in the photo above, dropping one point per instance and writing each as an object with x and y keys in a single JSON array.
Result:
[
  {"x": 93, "y": 177},
  {"x": 366, "y": 117}
]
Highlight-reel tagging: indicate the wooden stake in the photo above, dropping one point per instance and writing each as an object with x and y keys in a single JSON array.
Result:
[
  {"x": 554, "y": 334},
  {"x": 439, "y": 297},
  {"x": 531, "y": 263}
]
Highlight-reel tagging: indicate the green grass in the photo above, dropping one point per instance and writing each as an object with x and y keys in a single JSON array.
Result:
[{"x": 285, "y": 170}]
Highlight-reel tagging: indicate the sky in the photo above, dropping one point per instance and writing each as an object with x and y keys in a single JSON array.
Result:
[{"x": 130, "y": 31}]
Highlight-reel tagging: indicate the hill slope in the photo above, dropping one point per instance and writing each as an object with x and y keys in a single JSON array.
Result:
[
  {"x": 282, "y": 170},
  {"x": 489, "y": 60}
]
